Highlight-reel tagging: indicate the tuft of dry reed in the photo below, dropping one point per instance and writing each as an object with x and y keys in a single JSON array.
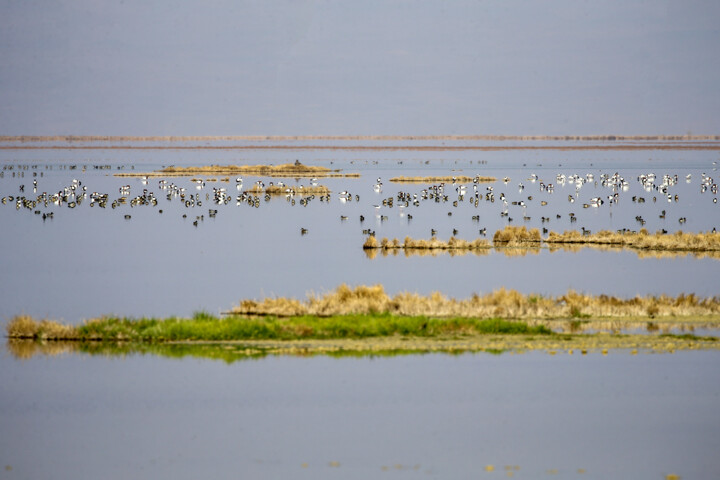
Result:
[
  {"x": 444, "y": 179},
  {"x": 24, "y": 326},
  {"x": 511, "y": 236}
]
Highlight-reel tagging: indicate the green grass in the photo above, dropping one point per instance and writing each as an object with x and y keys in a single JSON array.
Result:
[{"x": 205, "y": 327}]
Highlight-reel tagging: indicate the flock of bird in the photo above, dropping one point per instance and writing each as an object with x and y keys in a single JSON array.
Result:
[{"x": 512, "y": 204}]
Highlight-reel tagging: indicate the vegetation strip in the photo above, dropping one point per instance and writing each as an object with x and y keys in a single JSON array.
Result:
[
  {"x": 205, "y": 138},
  {"x": 502, "y": 303},
  {"x": 512, "y": 236},
  {"x": 296, "y": 169},
  {"x": 642, "y": 240},
  {"x": 367, "y": 313},
  {"x": 204, "y": 327}
]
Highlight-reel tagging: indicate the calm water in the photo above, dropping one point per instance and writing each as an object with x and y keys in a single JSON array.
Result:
[
  {"x": 431, "y": 416},
  {"x": 90, "y": 261}
]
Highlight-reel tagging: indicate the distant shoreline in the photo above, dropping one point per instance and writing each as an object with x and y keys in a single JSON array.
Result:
[
  {"x": 428, "y": 148},
  {"x": 584, "y": 138},
  {"x": 350, "y": 142}
]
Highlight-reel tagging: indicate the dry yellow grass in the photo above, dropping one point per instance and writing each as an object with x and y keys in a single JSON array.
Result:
[
  {"x": 511, "y": 236},
  {"x": 24, "y": 326},
  {"x": 432, "y": 244},
  {"x": 523, "y": 241},
  {"x": 445, "y": 179},
  {"x": 500, "y": 303},
  {"x": 408, "y": 252},
  {"x": 642, "y": 240}
]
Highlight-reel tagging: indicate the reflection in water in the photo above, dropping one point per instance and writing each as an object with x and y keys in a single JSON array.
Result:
[
  {"x": 372, "y": 253},
  {"x": 641, "y": 253},
  {"x": 660, "y": 341}
]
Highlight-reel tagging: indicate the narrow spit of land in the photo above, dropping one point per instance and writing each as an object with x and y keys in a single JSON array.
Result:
[
  {"x": 512, "y": 236},
  {"x": 296, "y": 169},
  {"x": 365, "y": 318}
]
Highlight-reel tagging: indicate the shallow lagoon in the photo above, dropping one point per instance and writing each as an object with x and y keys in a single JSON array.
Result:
[{"x": 436, "y": 416}]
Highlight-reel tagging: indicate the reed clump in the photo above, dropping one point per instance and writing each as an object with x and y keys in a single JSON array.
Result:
[
  {"x": 442, "y": 179},
  {"x": 370, "y": 243},
  {"x": 26, "y": 327},
  {"x": 511, "y": 236}
]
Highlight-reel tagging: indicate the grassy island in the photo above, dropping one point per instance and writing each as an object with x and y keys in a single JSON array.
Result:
[{"x": 366, "y": 319}]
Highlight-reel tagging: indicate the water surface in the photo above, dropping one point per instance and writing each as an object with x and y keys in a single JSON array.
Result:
[
  {"x": 417, "y": 416},
  {"x": 91, "y": 261}
]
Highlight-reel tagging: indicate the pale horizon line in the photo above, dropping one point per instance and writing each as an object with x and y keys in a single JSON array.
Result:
[{"x": 187, "y": 138}]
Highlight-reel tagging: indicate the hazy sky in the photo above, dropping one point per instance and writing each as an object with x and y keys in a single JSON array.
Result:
[{"x": 359, "y": 67}]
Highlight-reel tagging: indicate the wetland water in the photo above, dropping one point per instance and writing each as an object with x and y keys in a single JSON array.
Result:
[
  {"x": 419, "y": 416},
  {"x": 89, "y": 261},
  {"x": 437, "y": 416}
]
